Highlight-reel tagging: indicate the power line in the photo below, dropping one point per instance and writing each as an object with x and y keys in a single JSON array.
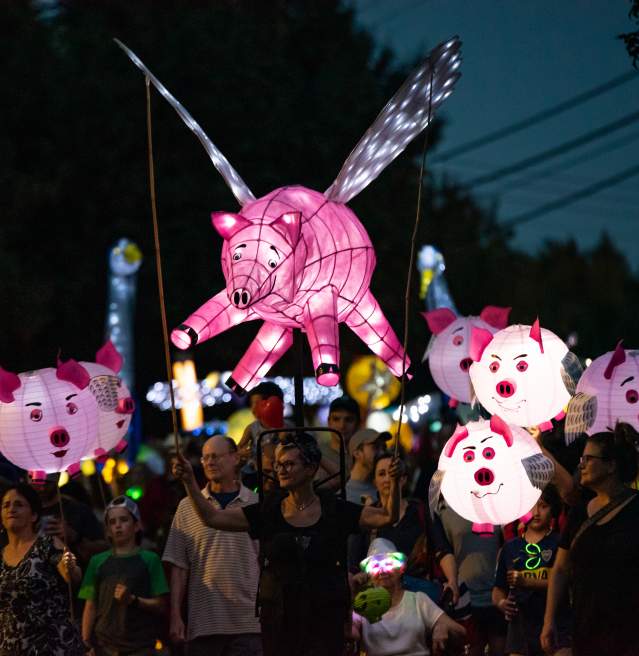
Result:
[
  {"x": 550, "y": 153},
  {"x": 585, "y": 192},
  {"x": 539, "y": 117}
]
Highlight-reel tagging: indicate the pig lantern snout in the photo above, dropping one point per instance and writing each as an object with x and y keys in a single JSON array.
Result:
[
  {"x": 484, "y": 476},
  {"x": 241, "y": 298},
  {"x": 126, "y": 406},
  {"x": 506, "y": 388},
  {"x": 59, "y": 436}
]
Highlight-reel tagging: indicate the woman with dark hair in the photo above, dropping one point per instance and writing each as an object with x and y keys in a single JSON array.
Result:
[
  {"x": 598, "y": 552},
  {"x": 303, "y": 595},
  {"x": 34, "y": 572}
]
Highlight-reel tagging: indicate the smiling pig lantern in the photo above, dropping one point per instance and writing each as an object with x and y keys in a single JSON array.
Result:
[
  {"x": 48, "y": 419},
  {"x": 607, "y": 392},
  {"x": 490, "y": 473},
  {"x": 297, "y": 258},
  {"x": 448, "y": 352},
  {"x": 524, "y": 374}
]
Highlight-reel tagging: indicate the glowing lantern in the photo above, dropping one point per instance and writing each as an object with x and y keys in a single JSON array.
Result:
[
  {"x": 297, "y": 258},
  {"x": 607, "y": 392},
  {"x": 48, "y": 419},
  {"x": 490, "y": 473},
  {"x": 371, "y": 384},
  {"x": 448, "y": 352},
  {"x": 191, "y": 414},
  {"x": 524, "y": 374},
  {"x": 237, "y": 423}
]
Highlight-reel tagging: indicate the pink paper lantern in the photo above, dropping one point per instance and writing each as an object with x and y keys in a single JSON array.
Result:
[
  {"x": 490, "y": 473},
  {"x": 448, "y": 352},
  {"x": 297, "y": 258},
  {"x": 114, "y": 401},
  {"x": 524, "y": 374},
  {"x": 48, "y": 419},
  {"x": 607, "y": 392}
]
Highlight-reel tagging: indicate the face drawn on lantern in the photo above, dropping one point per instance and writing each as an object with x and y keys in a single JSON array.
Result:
[
  {"x": 297, "y": 258},
  {"x": 490, "y": 472},
  {"x": 48, "y": 419},
  {"x": 448, "y": 352},
  {"x": 607, "y": 392},
  {"x": 524, "y": 374}
]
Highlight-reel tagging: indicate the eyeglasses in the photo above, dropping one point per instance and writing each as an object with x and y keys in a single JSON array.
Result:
[
  {"x": 586, "y": 458},
  {"x": 213, "y": 457},
  {"x": 287, "y": 465}
]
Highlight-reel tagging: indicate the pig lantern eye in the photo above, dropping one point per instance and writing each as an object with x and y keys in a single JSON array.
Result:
[
  {"x": 494, "y": 366},
  {"x": 522, "y": 365},
  {"x": 488, "y": 453},
  {"x": 469, "y": 456},
  {"x": 458, "y": 340},
  {"x": 237, "y": 256},
  {"x": 632, "y": 396},
  {"x": 72, "y": 408},
  {"x": 272, "y": 263},
  {"x": 36, "y": 414}
]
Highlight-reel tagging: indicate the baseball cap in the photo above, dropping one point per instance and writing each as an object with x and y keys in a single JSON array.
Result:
[
  {"x": 123, "y": 502},
  {"x": 365, "y": 436}
]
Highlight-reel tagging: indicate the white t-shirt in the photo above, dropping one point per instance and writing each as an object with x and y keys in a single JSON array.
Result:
[{"x": 402, "y": 629}]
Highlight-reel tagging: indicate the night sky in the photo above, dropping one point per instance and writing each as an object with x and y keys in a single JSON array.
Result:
[{"x": 521, "y": 58}]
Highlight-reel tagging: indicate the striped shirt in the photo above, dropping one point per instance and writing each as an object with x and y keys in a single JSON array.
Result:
[{"x": 223, "y": 570}]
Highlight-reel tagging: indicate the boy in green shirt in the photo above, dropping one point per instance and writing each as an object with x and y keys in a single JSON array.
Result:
[{"x": 124, "y": 589}]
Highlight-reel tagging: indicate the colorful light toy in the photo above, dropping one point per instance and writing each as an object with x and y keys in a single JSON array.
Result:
[
  {"x": 607, "y": 392},
  {"x": 524, "y": 374},
  {"x": 448, "y": 352},
  {"x": 297, "y": 258},
  {"x": 490, "y": 473},
  {"x": 48, "y": 419}
]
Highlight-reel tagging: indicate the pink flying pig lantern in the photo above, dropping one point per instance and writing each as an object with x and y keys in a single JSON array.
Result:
[
  {"x": 297, "y": 258},
  {"x": 524, "y": 374},
  {"x": 48, "y": 419},
  {"x": 448, "y": 352},
  {"x": 490, "y": 473},
  {"x": 607, "y": 392}
]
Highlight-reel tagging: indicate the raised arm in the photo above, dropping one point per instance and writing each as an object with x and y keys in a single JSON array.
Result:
[
  {"x": 373, "y": 517},
  {"x": 557, "y": 587},
  {"x": 229, "y": 519}
]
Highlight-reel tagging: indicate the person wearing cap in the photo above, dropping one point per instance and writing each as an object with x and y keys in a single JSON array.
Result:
[
  {"x": 363, "y": 448},
  {"x": 404, "y": 628},
  {"x": 124, "y": 589}
]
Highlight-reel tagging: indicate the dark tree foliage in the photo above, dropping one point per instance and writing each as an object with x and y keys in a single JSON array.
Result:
[
  {"x": 285, "y": 90},
  {"x": 631, "y": 39}
]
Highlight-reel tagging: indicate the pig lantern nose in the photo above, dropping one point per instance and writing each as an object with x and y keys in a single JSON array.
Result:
[
  {"x": 125, "y": 406},
  {"x": 59, "y": 436},
  {"x": 241, "y": 298},
  {"x": 484, "y": 476},
  {"x": 506, "y": 388},
  {"x": 464, "y": 364}
]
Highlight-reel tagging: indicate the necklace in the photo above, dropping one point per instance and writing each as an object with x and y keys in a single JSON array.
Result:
[{"x": 304, "y": 506}]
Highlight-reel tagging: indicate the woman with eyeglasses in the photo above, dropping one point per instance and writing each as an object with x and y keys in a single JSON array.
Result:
[
  {"x": 303, "y": 595},
  {"x": 598, "y": 556}
]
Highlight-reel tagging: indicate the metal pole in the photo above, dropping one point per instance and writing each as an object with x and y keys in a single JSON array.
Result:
[{"x": 298, "y": 341}]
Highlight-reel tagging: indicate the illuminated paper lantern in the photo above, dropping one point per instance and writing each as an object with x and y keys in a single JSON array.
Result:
[
  {"x": 191, "y": 413},
  {"x": 115, "y": 404},
  {"x": 524, "y": 374},
  {"x": 490, "y": 473},
  {"x": 48, "y": 419},
  {"x": 297, "y": 258},
  {"x": 607, "y": 392},
  {"x": 448, "y": 352}
]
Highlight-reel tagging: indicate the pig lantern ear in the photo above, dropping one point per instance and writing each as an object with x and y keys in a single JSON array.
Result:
[
  {"x": 290, "y": 225},
  {"x": 617, "y": 358},
  {"x": 227, "y": 223},
  {"x": 461, "y": 433},
  {"x": 9, "y": 383},
  {"x": 479, "y": 340},
  {"x": 438, "y": 320},
  {"x": 535, "y": 333},
  {"x": 108, "y": 356},
  {"x": 73, "y": 372},
  {"x": 494, "y": 316},
  {"x": 498, "y": 425}
]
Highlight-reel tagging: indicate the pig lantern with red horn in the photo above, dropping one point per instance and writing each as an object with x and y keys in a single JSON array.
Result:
[
  {"x": 490, "y": 473},
  {"x": 524, "y": 374},
  {"x": 298, "y": 258},
  {"x": 448, "y": 352},
  {"x": 607, "y": 392}
]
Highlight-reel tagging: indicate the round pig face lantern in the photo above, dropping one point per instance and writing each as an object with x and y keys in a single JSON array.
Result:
[
  {"x": 48, "y": 419},
  {"x": 490, "y": 473},
  {"x": 448, "y": 352},
  {"x": 607, "y": 392},
  {"x": 524, "y": 374}
]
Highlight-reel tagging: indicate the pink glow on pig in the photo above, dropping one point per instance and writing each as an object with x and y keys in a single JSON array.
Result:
[
  {"x": 607, "y": 392},
  {"x": 51, "y": 423},
  {"x": 448, "y": 352}
]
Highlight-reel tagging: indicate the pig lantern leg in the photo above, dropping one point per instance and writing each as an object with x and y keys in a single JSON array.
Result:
[
  {"x": 320, "y": 324},
  {"x": 213, "y": 318},
  {"x": 269, "y": 345},
  {"x": 368, "y": 322}
]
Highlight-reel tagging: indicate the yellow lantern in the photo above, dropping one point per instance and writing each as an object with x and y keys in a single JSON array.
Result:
[{"x": 370, "y": 382}]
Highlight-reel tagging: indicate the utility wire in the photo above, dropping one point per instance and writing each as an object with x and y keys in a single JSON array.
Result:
[
  {"x": 585, "y": 192},
  {"x": 550, "y": 153},
  {"x": 533, "y": 119}
]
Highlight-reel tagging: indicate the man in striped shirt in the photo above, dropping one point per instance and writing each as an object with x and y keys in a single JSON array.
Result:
[{"x": 217, "y": 570}]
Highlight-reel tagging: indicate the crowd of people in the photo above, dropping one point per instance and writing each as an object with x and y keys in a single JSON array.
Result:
[{"x": 202, "y": 566}]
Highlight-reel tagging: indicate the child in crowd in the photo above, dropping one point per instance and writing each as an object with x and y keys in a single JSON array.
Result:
[
  {"x": 521, "y": 580},
  {"x": 124, "y": 589}
]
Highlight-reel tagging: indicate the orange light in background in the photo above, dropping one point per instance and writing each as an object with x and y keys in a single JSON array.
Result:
[{"x": 191, "y": 415}]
